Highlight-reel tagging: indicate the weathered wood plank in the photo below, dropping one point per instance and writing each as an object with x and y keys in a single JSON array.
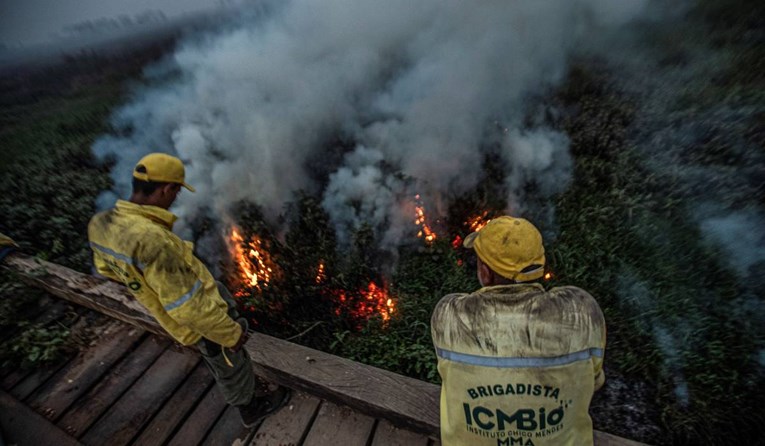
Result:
[
  {"x": 36, "y": 379},
  {"x": 133, "y": 410},
  {"x": 78, "y": 376},
  {"x": 404, "y": 401},
  {"x": 387, "y": 434},
  {"x": 290, "y": 425},
  {"x": 339, "y": 425},
  {"x": 227, "y": 430},
  {"x": 86, "y": 410},
  {"x": 13, "y": 378},
  {"x": 200, "y": 421},
  {"x": 22, "y": 426},
  {"x": 176, "y": 408},
  {"x": 97, "y": 294}
]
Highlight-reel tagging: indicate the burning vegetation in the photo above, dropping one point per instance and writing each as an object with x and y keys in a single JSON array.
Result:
[
  {"x": 266, "y": 274},
  {"x": 254, "y": 264}
]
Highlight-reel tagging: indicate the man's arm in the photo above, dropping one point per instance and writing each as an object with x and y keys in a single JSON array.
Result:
[{"x": 186, "y": 299}]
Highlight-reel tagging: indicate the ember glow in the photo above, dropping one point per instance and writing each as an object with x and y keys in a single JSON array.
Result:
[
  {"x": 370, "y": 301},
  {"x": 255, "y": 267},
  {"x": 425, "y": 231},
  {"x": 477, "y": 222},
  {"x": 320, "y": 273}
]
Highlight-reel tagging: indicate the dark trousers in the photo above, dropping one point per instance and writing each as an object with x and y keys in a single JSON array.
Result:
[{"x": 236, "y": 380}]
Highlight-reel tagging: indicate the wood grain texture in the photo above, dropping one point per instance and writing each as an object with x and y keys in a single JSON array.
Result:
[
  {"x": 125, "y": 419},
  {"x": 79, "y": 375},
  {"x": 177, "y": 408},
  {"x": 86, "y": 410},
  {"x": 387, "y": 434},
  {"x": 227, "y": 430},
  {"x": 289, "y": 426},
  {"x": 21, "y": 425},
  {"x": 97, "y": 294},
  {"x": 198, "y": 424},
  {"x": 36, "y": 379},
  {"x": 337, "y": 425},
  {"x": 404, "y": 401}
]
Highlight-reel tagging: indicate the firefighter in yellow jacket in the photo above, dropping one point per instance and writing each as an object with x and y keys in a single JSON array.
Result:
[
  {"x": 519, "y": 364},
  {"x": 133, "y": 243}
]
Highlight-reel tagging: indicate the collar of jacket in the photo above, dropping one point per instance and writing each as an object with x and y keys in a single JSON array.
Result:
[
  {"x": 153, "y": 213},
  {"x": 511, "y": 289}
]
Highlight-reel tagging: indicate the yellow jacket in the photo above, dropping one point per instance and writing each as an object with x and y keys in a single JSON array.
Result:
[
  {"x": 133, "y": 244},
  {"x": 519, "y": 365}
]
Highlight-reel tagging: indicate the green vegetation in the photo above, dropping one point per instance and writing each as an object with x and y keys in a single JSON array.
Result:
[
  {"x": 34, "y": 342},
  {"x": 49, "y": 118}
]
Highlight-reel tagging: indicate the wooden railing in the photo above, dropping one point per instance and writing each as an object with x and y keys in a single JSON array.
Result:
[{"x": 404, "y": 401}]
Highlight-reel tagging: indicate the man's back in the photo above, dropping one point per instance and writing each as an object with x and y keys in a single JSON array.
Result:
[
  {"x": 133, "y": 244},
  {"x": 519, "y": 365}
]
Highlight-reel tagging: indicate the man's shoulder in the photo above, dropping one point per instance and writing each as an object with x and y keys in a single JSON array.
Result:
[{"x": 572, "y": 294}]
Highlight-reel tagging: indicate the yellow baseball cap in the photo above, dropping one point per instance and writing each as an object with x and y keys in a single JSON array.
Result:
[
  {"x": 161, "y": 167},
  {"x": 509, "y": 246}
]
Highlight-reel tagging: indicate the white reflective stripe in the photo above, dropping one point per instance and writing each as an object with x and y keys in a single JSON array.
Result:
[
  {"x": 116, "y": 255},
  {"x": 511, "y": 362},
  {"x": 181, "y": 300}
]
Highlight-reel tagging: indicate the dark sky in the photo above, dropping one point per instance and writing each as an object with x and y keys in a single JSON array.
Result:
[{"x": 29, "y": 22}]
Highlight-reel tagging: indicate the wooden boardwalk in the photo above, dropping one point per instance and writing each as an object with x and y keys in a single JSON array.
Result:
[
  {"x": 136, "y": 388},
  {"x": 133, "y": 386}
]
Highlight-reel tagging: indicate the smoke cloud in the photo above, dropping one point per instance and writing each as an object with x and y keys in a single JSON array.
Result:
[{"x": 422, "y": 89}]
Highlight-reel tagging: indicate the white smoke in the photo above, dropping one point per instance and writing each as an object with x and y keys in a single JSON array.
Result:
[
  {"x": 415, "y": 85},
  {"x": 741, "y": 235}
]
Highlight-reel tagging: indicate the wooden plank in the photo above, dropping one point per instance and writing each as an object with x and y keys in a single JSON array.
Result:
[
  {"x": 78, "y": 376},
  {"x": 176, "y": 408},
  {"x": 134, "y": 409},
  {"x": 387, "y": 434},
  {"x": 290, "y": 425},
  {"x": 339, "y": 425},
  {"x": 228, "y": 430},
  {"x": 404, "y": 401},
  {"x": 36, "y": 379},
  {"x": 14, "y": 378},
  {"x": 21, "y": 425},
  {"x": 101, "y": 295},
  {"x": 80, "y": 415},
  {"x": 200, "y": 421}
]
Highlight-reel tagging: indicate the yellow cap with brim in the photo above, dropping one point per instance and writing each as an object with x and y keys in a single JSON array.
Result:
[
  {"x": 161, "y": 168},
  {"x": 510, "y": 247}
]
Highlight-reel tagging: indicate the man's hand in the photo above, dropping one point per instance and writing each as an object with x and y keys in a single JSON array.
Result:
[{"x": 243, "y": 338}]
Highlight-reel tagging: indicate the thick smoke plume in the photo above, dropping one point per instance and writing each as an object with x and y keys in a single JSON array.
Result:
[{"x": 421, "y": 89}]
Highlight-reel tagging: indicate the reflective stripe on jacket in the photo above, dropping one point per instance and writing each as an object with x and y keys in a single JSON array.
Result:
[
  {"x": 133, "y": 244},
  {"x": 519, "y": 365}
]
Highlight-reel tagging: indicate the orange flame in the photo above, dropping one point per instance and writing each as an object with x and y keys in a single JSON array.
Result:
[
  {"x": 373, "y": 299},
  {"x": 320, "y": 274},
  {"x": 548, "y": 275},
  {"x": 255, "y": 266},
  {"x": 477, "y": 222},
  {"x": 420, "y": 220}
]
